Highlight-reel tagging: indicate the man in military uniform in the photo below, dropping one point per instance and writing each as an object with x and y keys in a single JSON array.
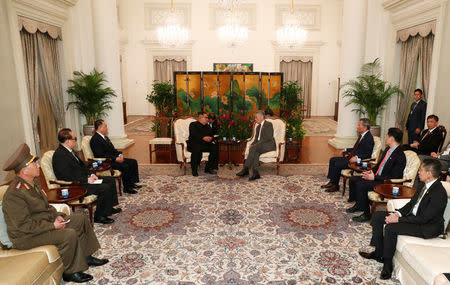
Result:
[{"x": 32, "y": 222}]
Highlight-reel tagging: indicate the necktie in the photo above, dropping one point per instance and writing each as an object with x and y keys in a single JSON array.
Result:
[
  {"x": 414, "y": 107},
  {"x": 425, "y": 135},
  {"x": 382, "y": 163},
  {"x": 258, "y": 128},
  {"x": 74, "y": 155},
  {"x": 424, "y": 188},
  {"x": 356, "y": 145}
]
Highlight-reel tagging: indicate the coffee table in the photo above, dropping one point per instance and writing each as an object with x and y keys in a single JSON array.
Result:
[
  {"x": 75, "y": 193},
  {"x": 106, "y": 165},
  {"x": 228, "y": 145},
  {"x": 359, "y": 168},
  {"x": 385, "y": 191}
]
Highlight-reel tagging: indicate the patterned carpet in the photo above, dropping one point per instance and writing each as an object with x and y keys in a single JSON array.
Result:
[{"x": 219, "y": 229}]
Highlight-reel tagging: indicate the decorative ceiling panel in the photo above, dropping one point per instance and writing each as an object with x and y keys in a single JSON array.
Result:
[
  {"x": 156, "y": 13},
  {"x": 246, "y": 15},
  {"x": 308, "y": 15}
]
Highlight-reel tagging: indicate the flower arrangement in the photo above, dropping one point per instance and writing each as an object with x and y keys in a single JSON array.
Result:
[{"x": 234, "y": 125}]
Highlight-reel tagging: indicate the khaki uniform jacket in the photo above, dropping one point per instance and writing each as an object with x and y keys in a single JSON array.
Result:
[{"x": 27, "y": 212}]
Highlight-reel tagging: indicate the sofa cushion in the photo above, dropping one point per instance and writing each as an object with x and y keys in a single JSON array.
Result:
[
  {"x": 4, "y": 238},
  {"x": 28, "y": 268},
  {"x": 427, "y": 261},
  {"x": 404, "y": 241}
]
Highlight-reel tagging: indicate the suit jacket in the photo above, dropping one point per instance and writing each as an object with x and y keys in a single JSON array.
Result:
[
  {"x": 67, "y": 167},
  {"x": 214, "y": 127},
  {"x": 365, "y": 147},
  {"x": 103, "y": 148},
  {"x": 266, "y": 140},
  {"x": 430, "y": 212},
  {"x": 197, "y": 131},
  {"x": 394, "y": 166},
  {"x": 416, "y": 118},
  {"x": 431, "y": 142}
]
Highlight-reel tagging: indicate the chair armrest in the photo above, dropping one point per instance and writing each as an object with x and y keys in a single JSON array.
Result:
[
  {"x": 95, "y": 159},
  {"x": 49, "y": 250},
  {"x": 396, "y": 181},
  {"x": 368, "y": 159},
  {"x": 279, "y": 150},
  {"x": 393, "y": 204},
  {"x": 182, "y": 150},
  {"x": 63, "y": 208},
  {"x": 66, "y": 183}
]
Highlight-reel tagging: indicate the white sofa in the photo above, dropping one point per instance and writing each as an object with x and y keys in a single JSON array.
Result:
[{"x": 417, "y": 260}]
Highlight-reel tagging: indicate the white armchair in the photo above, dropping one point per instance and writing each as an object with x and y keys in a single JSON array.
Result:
[
  {"x": 279, "y": 134},
  {"x": 181, "y": 133}
]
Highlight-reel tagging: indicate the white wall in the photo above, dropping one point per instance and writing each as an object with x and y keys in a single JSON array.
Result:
[{"x": 206, "y": 49}]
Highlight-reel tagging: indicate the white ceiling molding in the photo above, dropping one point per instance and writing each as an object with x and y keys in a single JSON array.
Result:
[
  {"x": 309, "y": 16},
  {"x": 156, "y": 14},
  {"x": 404, "y": 14},
  {"x": 306, "y": 46},
  {"x": 54, "y": 12},
  {"x": 392, "y": 5},
  {"x": 246, "y": 15},
  {"x": 156, "y": 46}
]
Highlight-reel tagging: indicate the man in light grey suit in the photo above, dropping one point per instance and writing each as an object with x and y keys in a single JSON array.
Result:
[{"x": 263, "y": 142}]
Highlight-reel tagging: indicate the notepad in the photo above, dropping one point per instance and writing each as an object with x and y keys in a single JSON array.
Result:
[{"x": 98, "y": 181}]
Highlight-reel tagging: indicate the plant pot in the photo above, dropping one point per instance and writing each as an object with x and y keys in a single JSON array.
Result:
[
  {"x": 375, "y": 130},
  {"x": 88, "y": 130}
]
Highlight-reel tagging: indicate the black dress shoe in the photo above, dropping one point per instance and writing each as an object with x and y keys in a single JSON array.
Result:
[
  {"x": 103, "y": 220},
  {"x": 332, "y": 188},
  {"x": 116, "y": 210},
  {"x": 130, "y": 191},
  {"x": 93, "y": 261},
  {"x": 136, "y": 186},
  {"x": 329, "y": 184},
  {"x": 352, "y": 210},
  {"x": 77, "y": 277},
  {"x": 371, "y": 255},
  {"x": 254, "y": 177},
  {"x": 211, "y": 171},
  {"x": 350, "y": 200},
  {"x": 243, "y": 172},
  {"x": 361, "y": 219},
  {"x": 194, "y": 173},
  {"x": 386, "y": 272}
]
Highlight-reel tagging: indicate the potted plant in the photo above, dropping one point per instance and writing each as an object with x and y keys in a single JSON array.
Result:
[
  {"x": 290, "y": 110},
  {"x": 164, "y": 98},
  {"x": 370, "y": 93},
  {"x": 90, "y": 97}
]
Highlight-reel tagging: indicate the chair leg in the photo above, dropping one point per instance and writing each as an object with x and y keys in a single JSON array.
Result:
[
  {"x": 344, "y": 185},
  {"x": 184, "y": 168},
  {"x": 119, "y": 182},
  {"x": 91, "y": 210},
  {"x": 373, "y": 207},
  {"x": 278, "y": 169},
  {"x": 150, "y": 151}
]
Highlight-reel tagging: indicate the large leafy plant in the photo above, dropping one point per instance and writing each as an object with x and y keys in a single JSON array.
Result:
[
  {"x": 164, "y": 98},
  {"x": 369, "y": 92},
  {"x": 90, "y": 96},
  {"x": 291, "y": 109}
]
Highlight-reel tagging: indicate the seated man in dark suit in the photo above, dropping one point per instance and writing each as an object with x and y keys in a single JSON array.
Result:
[
  {"x": 212, "y": 122},
  {"x": 362, "y": 149},
  {"x": 68, "y": 166},
  {"x": 443, "y": 158},
  {"x": 201, "y": 140},
  {"x": 429, "y": 139},
  {"x": 422, "y": 217},
  {"x": 390, "y": 166},
  {"x": 262, "y": 143},
  {"x": 102, "y": 147},
  {"x": 416, "y": 117}
]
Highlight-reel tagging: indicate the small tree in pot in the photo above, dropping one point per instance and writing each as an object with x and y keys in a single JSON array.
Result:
[
  {"x": 291, "y": 110},
  {"x": 370, "y": 93},
  {"x": 165, "y": 101},
  {"x": 91, "y": 97}
]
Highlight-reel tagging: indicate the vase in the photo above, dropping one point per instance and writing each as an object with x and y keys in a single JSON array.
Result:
[
  {"x": 375, "y": 131},
  {"x": 88, "y": 130}
]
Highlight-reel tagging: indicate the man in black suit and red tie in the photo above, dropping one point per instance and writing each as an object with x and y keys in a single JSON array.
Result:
[
  {"x": 416, "y": 117},
  {"x": 390, "y": 166},
  {"x": 429, "y": 139},
  {"x": 362, "y": 149},
  {"x": 102, "y": 147},
  {"x": 421, "y": 217}
]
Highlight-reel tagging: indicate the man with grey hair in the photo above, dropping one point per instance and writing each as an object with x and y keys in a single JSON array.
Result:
[
  {"x": 263, "y": 142},
  {"x": 362, "y": 149}
]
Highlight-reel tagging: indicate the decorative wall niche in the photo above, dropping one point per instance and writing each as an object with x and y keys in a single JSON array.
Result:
[
  {"x": 308, "y": 15},
  {"x": 246, "y": 14}
]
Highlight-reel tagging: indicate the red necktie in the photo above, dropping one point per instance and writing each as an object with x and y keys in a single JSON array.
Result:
[
  {"x": 356, "y": 145},
  {"x": 425, "y": 136},
  {"x": 383, "y": 162}
]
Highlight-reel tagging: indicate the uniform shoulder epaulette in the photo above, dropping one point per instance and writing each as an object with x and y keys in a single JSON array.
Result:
[{"x": 27, "y": 186}]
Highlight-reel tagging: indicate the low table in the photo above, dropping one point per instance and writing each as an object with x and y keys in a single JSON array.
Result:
[
  {"x": 359, "y": 168},
  {"x": 385, "y": 191},
  {"x": 75, "y": 193},
  {"x": 227, "y": 146},
  {"x": 106, "y": 165}
]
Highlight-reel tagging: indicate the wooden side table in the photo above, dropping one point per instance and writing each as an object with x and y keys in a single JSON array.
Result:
[
  {"x": 385, "y": 191},
  {"x": 359, "y": 168},
  {"x": 292, "y": 150},
  {"x": 75, "y": 193}
]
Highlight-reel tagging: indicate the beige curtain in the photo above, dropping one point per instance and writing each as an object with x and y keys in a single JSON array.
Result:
[
  {"x": 30, "y": 59},
  {"x": 46, "y": 121},
  {"x": 299, "y": 70},
  {"x": 164, "y": 67},
  {"x": 425, "y": 57},
  {"x": 51, "y": 74}
]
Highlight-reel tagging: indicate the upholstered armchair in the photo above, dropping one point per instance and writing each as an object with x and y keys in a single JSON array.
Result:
[
  {"x": 418, "y": 260},
  {"x": 162, "y": 142},
  {"x": 409, "y": 175},
  {"x": 181, "y": 133},
  {"x": 347, "y": 173},
  {"x": 50, "y": 182},
  {"x": 279, "y": 134},
  {"x": 39, "y": 265},
  {"x": 89, "y": 156}
]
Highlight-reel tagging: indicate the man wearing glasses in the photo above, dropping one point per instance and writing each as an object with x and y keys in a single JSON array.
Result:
[{"x": 68, "y": 166}]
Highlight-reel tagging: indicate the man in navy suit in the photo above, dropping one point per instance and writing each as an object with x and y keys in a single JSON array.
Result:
[
  {"x": 422, "y": 217},
  {"x": 390, "y": 166},
  {"x": 362, "y": 149},
  {"x": 102, "y": 147},
  {"x": 416, "y": 117},
  {"x": 429, "y": 139}
]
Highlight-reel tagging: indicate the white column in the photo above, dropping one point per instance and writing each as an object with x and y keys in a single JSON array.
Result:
[
  {"x": 352, "y": 57},
  {"x": 107, "y": 58}
]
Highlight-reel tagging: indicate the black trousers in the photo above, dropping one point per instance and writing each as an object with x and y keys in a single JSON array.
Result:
[
  {"x": 336, "y": 165},
  {"x": 130, "y": 171},
  {"x": 385, "y": 244},
  {"x": 197, "y": 152},
  {"x": 358, "y": 192},
  {"x": 106, "y": 195},
  {"x": 412, "y": 136}
]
